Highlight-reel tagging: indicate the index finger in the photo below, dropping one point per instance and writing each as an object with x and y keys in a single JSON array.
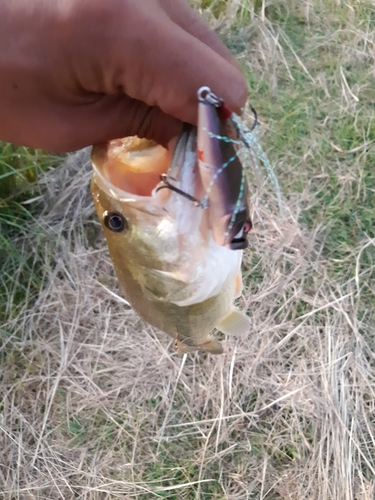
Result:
[{"x": 180, "y": 65}]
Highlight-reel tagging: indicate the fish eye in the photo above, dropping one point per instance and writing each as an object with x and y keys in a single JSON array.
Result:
[{"x": 115, "y": 221}]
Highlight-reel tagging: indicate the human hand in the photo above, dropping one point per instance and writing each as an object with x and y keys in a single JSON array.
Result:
[{"x": 79, "y": 72}]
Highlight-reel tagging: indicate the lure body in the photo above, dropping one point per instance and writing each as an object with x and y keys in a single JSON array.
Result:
[{"x": 222, "y": 174}]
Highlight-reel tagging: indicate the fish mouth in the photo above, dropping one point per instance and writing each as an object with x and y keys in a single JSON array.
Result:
[
  {"x": 132, "y": 170},
  {"x": 131, "y": 165}
]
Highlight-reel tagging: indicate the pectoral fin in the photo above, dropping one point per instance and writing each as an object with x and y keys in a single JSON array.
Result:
[
  {"x": 238, "y": 286},
  {"x": 236, "y": 323}
]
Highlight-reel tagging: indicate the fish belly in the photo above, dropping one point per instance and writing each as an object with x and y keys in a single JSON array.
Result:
[{"x": 191, "y": 324}]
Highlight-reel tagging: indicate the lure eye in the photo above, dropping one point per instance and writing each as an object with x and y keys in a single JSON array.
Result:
[
  {"x": 115, "y": 222},
  {"x": 247, "y": 226}
]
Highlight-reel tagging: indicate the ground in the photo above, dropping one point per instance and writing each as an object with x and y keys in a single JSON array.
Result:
[{"x": 96, "y": 405}]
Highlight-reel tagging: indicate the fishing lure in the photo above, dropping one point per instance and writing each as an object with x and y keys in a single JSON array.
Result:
[{"x": 221, "y": 172}]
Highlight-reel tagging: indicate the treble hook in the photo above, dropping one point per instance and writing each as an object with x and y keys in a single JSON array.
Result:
[{"x": 168, "y": 185}]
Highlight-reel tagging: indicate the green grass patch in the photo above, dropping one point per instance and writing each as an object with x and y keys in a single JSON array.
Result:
[{"x": 19, "y": 171}]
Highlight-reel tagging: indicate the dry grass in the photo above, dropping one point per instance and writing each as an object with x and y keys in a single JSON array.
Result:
[{"x": 96, "y": 405}]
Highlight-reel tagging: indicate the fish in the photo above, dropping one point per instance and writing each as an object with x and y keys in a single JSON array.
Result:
[{"x": 178, "y": 273}]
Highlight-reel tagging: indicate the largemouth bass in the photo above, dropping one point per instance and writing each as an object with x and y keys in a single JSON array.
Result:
[{"x": 171, "y": 242}]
